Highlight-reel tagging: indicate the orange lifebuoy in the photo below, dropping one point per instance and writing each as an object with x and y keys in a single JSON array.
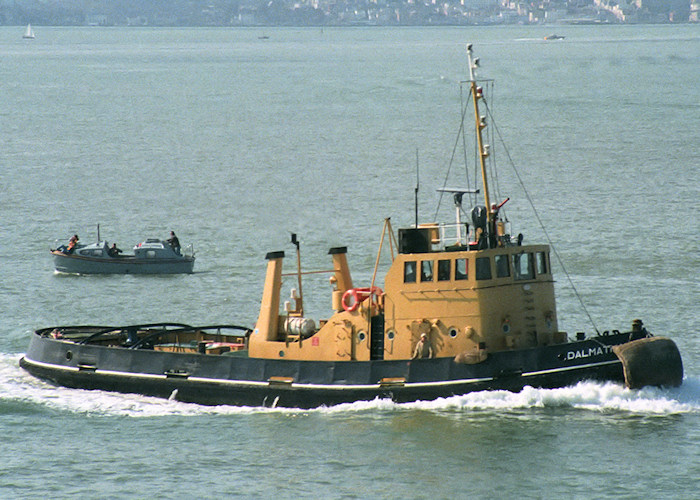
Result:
[{"x": 358, "y": 295}]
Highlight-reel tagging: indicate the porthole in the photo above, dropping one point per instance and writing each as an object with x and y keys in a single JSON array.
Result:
[
  {"x": 281, "y": 354},
  {"x": 390, "y": 334},
  {"x": 361, "y": 336},
  {"x": 453, "y": 332},
  {"x": 69, "y": 355},
  {"x": 506, "y": 328}
]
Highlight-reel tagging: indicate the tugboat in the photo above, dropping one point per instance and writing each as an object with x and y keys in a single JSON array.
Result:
[{"x": 462, "y": 308}]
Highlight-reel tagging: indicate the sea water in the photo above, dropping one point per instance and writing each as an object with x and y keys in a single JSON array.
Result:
[{"x": 234, "y": 142}]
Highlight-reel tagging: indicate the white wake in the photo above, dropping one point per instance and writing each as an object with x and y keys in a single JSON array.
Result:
[{"x": 18, "y": 386}]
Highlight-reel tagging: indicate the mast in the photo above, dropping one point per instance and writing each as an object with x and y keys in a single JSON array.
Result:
[
  {"x": 417, "y": 186},
  {"x": 477, "y": 93}
]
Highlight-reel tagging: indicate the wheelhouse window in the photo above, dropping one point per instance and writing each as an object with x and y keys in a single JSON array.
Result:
[
  {"x": 409, "y": 272},
  {"x": 502, "y": 269},
  {"x": 444, "y": 267},
  {"x": 524, "y": 266},
  {"x": 542, "y": 263},
  {"x": 461, "y": 269},
  {"x": 483, "y": 268},
  {"x": 426, "y": 270}
]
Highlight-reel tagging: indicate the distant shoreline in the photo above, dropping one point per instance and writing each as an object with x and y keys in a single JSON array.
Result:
[{"x": 352, "y": 13}]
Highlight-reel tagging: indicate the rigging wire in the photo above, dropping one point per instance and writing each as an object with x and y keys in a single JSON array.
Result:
[
  {"x": 464, "y": 106},
  {"x": 539, "y": 220},
  {"x": 492, "y": 140},
  {"x": 496, "y": 186},
  {"x": 493, "y": 133},
  {"x": 460, "y": 134}
]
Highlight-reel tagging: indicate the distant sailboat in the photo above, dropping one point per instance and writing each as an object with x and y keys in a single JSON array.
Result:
[{"x": 29, "y": 33}]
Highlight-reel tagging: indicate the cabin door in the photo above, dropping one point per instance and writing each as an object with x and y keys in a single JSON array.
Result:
[{"x": 376, "y": 338}]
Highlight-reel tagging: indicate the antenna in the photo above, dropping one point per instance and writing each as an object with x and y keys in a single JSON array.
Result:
[
  {"x": 417, "y": 186},
  {"x": 472, "y": 63},
  {"x": 300, "y": 301}
]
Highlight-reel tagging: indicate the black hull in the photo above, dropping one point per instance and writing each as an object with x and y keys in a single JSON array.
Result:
[{"x": 236, "y": 380}]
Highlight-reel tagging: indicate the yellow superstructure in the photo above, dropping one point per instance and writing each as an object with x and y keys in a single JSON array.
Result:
[{"x": 468, "y": 302}]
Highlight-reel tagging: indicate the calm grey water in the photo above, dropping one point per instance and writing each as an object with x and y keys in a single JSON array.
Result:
[{"x": 234, "y": 142}]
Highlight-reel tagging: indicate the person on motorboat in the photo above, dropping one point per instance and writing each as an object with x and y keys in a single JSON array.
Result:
[
  {"x": 174, "y": 242},
  {"x": 114, "y": 251},
  {"x": 71, "y": 244}
]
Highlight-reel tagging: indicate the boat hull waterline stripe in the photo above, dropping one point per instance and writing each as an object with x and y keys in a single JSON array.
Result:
[{"x": 253, "y": 383}]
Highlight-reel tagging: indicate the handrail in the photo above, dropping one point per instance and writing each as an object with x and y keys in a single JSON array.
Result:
[
  {"x": 158, "y": 333},
  {"x": 146, "y": 325},
  {"x": 103, "y": 330}
]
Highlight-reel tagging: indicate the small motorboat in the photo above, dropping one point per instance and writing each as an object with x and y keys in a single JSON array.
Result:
[
  {"x": 152, "y": 256},
  {"x": 554, "y": 37},
  {"x": 461, "y": 308}
]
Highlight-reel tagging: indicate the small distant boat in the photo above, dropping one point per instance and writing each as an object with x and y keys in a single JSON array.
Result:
[
  {"x": 29, "y": 33},
  {"x": 152, "y": 256},
  {"x": 554, "y": 37}
]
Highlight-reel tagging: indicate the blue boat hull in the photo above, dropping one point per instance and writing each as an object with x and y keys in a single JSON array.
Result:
[{"x": 128, "y": 264}]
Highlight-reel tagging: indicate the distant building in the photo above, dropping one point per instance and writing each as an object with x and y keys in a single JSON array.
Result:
[
  {"x": 341, "y": 12},
  {"x": 695, "y": 11},
  {"x": 663, "y": 10}
]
